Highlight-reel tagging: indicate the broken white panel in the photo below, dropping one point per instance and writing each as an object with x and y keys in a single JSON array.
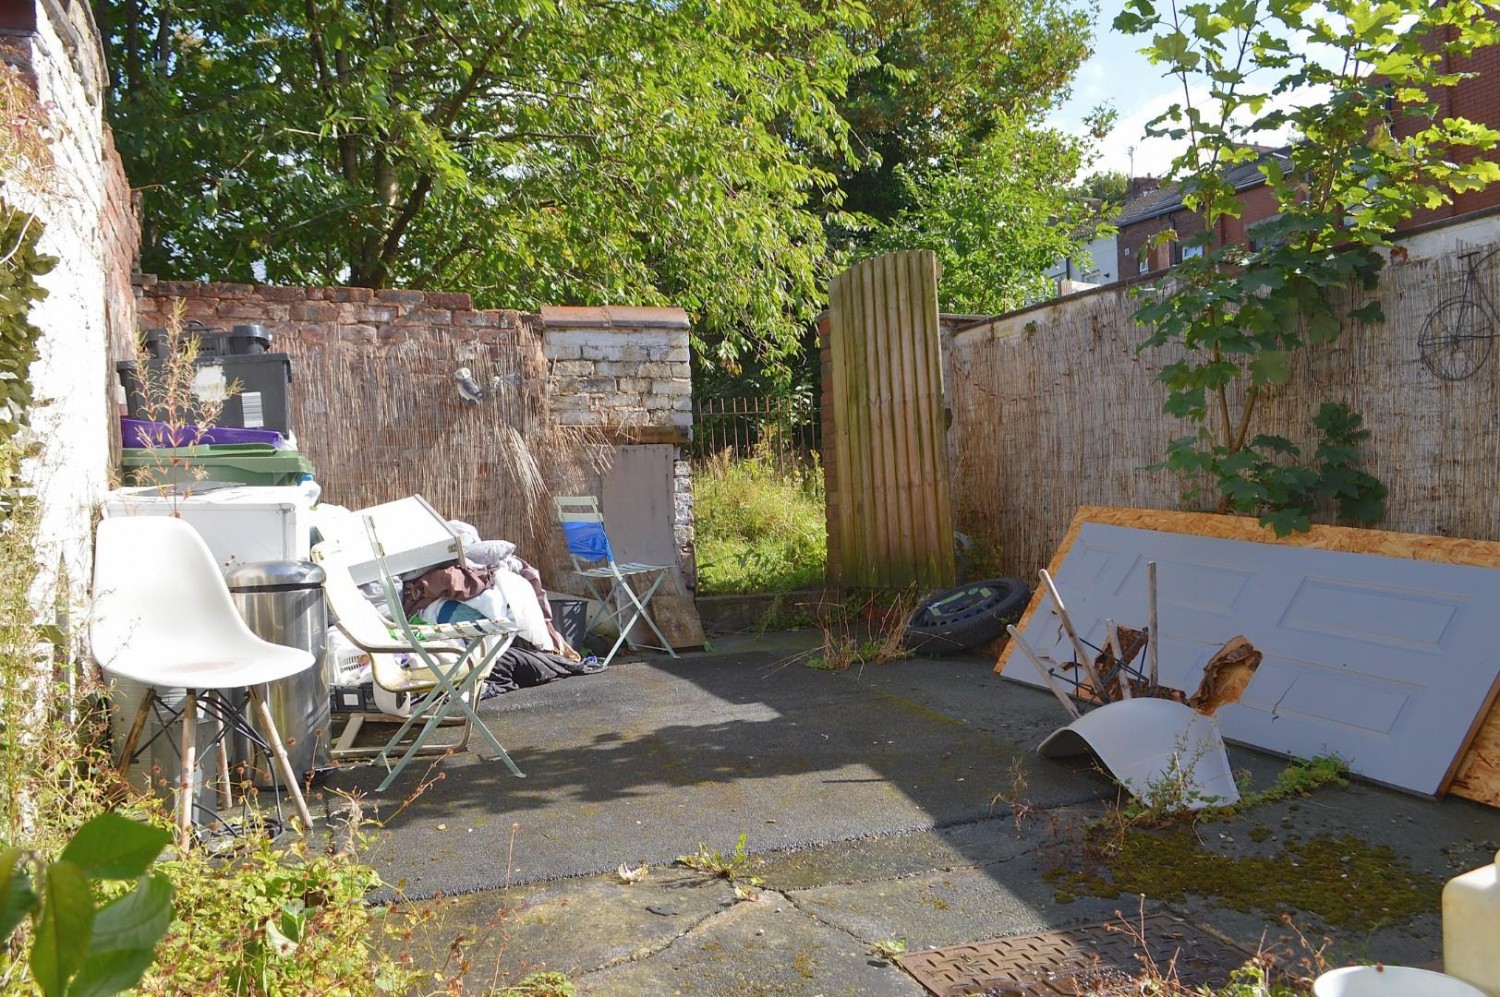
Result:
[
  {"x": 1383, "y": 661},
  {"x": 1165, "y": 753}
]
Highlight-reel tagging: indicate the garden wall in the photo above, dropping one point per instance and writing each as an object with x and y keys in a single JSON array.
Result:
[
  {"x": 375, "y": 405},
  {"x": 82, "y": 198},
  {"x": 1053, "y": 407}
]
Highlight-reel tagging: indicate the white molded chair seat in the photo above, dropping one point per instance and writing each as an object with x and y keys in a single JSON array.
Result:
[{"x": 162, "y": 615}]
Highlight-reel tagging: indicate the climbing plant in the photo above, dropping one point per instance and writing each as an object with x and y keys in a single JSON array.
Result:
[
  {"x": 1355, "y": 82},
  {"x": 20, "y": 266}
]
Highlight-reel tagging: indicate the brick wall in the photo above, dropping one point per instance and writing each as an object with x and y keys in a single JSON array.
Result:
[
  {"x": 1476, "y": 98},
  {"x": 1131, "y": 241},
  {"x": 374, "y": 402},
  {"x": 375, "y": 406},
  {"x": 625, "y": 372},
  {"x": 621, "y": 369},
  {"x": 83, "y": 201}
]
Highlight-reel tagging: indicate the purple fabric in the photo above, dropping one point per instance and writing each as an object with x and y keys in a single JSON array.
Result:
[{"x": 141, "y": 433}]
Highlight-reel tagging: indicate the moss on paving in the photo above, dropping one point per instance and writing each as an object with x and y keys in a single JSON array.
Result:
[{"x": 1348, "y": 883}]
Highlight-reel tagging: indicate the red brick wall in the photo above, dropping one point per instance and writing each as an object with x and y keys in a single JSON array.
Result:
[
  {"x": 1476, "y": 98},
  {"x": 1132, "y": 240}
]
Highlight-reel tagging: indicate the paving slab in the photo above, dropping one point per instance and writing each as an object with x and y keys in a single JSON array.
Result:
[{"x": 892, "y": 802}]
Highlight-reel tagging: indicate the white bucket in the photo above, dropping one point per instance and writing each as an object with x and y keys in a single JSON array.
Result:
[{"x": 1390, "y": 981}]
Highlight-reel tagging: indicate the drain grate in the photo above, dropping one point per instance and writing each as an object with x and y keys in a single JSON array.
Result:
[{"x": 1084, "y": 960}]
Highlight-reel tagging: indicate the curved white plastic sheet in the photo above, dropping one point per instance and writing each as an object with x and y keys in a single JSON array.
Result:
[{"x": 1163, "y": 752}]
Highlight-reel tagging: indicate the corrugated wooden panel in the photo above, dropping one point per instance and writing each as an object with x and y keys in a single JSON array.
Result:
[
  {"x": 890, "y": 495},
  {"x": 1477, "y": 775}
]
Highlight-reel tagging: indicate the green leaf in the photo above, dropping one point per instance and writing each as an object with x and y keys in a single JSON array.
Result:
[
  {"x": 110, "y": 972},
  {"x": 136, "y": 920},
  {"x": 1269, "y": 367},
  {"x": 16, "y": 898},
  {"x": 1287, "y": 521},
  {"x": 113, "y": 847},
  {"x": 64, "y": 927},
  {"x": 125, "y": 935}
]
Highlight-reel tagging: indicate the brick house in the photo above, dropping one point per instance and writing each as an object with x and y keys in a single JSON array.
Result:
[
  {"x": 1476, "y": 98},
  {"x": 1162, "y": 210}
]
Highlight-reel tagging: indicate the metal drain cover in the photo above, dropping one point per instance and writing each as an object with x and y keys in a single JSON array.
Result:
[{"x": 1085, "y": 960}]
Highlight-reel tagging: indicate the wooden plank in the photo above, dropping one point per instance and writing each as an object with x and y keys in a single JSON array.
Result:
[
  {"x": 915, "y": 485},
  {"x": 840, "y": 503},
  {"x": 1475, "y": 774},
  {"x": 935, "y": 432},
  {"x": 881, "y": 529}
]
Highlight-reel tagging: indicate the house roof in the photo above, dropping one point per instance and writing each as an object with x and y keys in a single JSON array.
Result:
[{"x": 1242, "y": 176}]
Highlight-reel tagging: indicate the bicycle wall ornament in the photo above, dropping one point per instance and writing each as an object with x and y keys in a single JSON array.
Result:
[{"x": 1455, "y": 340}]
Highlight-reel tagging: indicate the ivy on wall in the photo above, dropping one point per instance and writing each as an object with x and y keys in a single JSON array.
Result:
[{"x": 20, "y": 266}]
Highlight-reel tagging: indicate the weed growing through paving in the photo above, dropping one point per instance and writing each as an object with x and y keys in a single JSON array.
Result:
[
  {"x": 736, "y": 867},
  {"x": 889, "y": 949},
  {"x": 866, "y": 629},
  {"x": 1270, "y": 972}
]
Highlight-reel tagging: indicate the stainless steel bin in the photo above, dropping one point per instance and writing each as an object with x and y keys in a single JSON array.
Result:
[{"x": 282, "y": 601}]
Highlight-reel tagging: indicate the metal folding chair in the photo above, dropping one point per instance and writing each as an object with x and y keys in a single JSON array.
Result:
[
  {"x": 609, "y": 580},
  {"x": 455, "y": 658}
]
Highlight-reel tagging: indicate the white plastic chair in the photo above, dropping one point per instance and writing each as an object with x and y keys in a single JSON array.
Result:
[
  {"x": 162, "y": 615},
  {"x": 609, "y": 580},
  {"x": 455, "y": 658}
]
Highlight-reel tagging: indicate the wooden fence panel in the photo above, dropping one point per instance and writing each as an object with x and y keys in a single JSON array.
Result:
[{"x": 890, "y": 522}]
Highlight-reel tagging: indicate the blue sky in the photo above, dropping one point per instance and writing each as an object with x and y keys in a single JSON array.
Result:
[{"x": 1119, "y": 75}]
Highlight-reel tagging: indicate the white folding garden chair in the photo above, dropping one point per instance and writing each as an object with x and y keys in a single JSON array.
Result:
[
  {"x": 609, "y": 580},
  {"x": 454, "y": 660}
]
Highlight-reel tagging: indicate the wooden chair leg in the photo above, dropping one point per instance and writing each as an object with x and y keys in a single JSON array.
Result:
[
  {"x": 187, "y": 761},
  {"x": 226, "y": 788},
  {"x": 137, "y": 727},
  {"x": 279, "y": 758}
]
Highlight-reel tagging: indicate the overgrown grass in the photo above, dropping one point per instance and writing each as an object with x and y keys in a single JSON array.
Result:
[{"x": 758, "y": 530}]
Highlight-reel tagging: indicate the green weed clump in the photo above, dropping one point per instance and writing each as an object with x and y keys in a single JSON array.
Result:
[
  {"x": 281, "y": 918},
  {"x": 758, "y": 529}
]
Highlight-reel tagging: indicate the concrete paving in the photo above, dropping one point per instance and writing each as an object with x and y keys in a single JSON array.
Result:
[{"x": 876, "y": 803}]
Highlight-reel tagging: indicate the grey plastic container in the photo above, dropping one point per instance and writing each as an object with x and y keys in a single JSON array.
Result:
[{"x": 282, "y": 602}]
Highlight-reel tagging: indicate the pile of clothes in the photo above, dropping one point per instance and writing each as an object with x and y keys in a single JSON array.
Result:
[{"x": 493, "y": 583}]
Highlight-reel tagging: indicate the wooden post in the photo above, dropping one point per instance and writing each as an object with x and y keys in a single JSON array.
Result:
[
  {"x": 186, "y": 762},
  {"x": 279, "y": 758},
  {"x": 1153, "y": 636},
  {"x": 1041, "y": 668},
  {"x": 1079, "y": 652}
]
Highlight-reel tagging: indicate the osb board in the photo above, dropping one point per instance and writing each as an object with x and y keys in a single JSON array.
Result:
[{"x": 1477, "y": 775}]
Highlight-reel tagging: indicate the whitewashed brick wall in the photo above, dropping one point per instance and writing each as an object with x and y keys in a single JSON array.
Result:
[
  {"x": 83, "y": 202},
  {"x": 618, "y": 367}
]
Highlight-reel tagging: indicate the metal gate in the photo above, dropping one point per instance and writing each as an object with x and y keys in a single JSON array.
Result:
[{"x": 890, "y": 521}]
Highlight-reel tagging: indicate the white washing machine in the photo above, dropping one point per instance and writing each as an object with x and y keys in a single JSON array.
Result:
[{"x": 241, "y": 523}]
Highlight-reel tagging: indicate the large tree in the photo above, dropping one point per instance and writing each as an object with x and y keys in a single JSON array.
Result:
[
  {"x": 998, "y": 214},
  {"x": 946, "y": 74},
  {"x": 529, "y": 151}
]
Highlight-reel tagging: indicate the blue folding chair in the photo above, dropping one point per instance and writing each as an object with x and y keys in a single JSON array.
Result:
[{"x": 609, "y": 580}]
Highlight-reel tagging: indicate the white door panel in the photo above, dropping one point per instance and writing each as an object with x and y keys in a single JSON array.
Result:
[{"x": 1384, "y": 661}]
